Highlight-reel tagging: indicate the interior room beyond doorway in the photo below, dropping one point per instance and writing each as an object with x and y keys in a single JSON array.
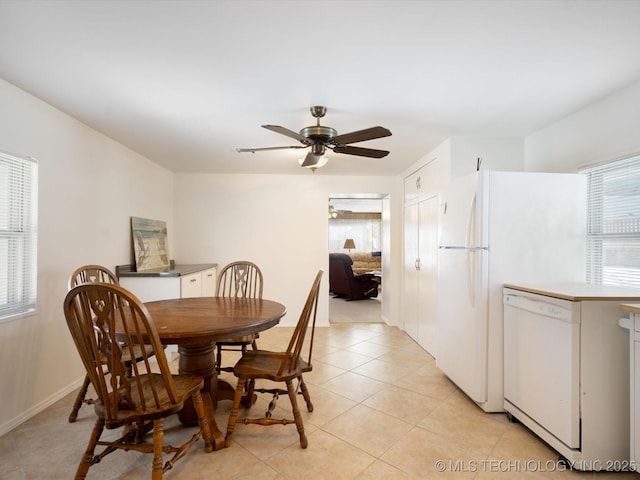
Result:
[{"x": 356, "y": 229}]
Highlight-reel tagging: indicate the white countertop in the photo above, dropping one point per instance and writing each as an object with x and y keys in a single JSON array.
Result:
[
  {"x": 580, "y": 291},
  {"x": 631, "y": 307}
]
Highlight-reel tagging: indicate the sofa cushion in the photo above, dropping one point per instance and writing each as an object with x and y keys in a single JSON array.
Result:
[{"x": 365, "y": 262}]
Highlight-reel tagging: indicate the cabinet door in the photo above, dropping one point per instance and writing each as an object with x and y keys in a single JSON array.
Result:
[
  {"x": 191, "y": 285},
  {"x": 424, "y": 182},
  {"x": 411, "y": 266},
  {"x": 428, "y": 275},
  {"x": 209, "y": 282},
  {"x": 150, "y": 289},
  {"x": 635, "y": 395}
]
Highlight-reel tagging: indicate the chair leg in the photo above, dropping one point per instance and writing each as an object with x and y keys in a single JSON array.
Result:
[
  {"x": 203, "y": 421},
  {"x": 158, "y": 441},
  {"x": 79, "y": 399},
  {"x": 87, "y": 458},
  {"x": 305, "y": 393},
  {"x": 233, "y": 416},
  {"x": 218, "y": 358},
  {"x": 296, "y": 414},
  {"x": 250, "y": 387}
]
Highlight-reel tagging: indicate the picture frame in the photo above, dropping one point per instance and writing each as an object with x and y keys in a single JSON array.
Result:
[{"x": 150, "y": 244}]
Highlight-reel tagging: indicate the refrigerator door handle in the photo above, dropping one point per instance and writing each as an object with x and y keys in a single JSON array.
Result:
[
  {"x": 471, "y": 257},
  {"x": 471, "y": 286},
  {"x": 470, "y": 239}
]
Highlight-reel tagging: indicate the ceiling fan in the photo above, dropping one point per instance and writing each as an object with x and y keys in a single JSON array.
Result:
[
  {"x": 320, "y": 138},
  {"x": 335, "y": 213}
]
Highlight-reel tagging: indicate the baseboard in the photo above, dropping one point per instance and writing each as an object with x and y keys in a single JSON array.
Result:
[{"x": 43, "y": 405}]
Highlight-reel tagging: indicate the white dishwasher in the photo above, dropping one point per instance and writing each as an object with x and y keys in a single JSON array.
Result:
[{"x": 566, "y": 369}]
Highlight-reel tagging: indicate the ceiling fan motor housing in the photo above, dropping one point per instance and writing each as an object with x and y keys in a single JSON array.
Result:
[{"x": 319, "y": 134}]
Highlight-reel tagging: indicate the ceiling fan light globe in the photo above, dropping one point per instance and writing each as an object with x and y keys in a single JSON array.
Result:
[{"x": 322, "y": 161}]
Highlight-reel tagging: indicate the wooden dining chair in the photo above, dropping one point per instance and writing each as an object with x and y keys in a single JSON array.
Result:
[
  {"x": 88, "y": 274},
  {"x": 108, "y": 322},
  {"x": 238, "y": 279},
  {"x": 279, "y": 367}
]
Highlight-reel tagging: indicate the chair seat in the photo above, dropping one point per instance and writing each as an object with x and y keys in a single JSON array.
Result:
[
  {"x": 184, "y": 385},
  {"x": 265, "y": 364}
]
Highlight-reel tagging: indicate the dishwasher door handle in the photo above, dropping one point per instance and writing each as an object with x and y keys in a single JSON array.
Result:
[{"x": 539, "y": 307}]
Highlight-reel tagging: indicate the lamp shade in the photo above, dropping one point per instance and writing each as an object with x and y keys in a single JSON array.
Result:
[{"x": 349, "y": 243}]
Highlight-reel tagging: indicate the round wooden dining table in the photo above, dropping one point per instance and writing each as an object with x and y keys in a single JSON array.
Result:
[{"x": 195, "y": 325}]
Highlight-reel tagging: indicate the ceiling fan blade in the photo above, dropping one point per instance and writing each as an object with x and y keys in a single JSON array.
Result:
[
  {"x": 361, "y": 135},
  {"x": 362, "y": 152},
  {"x": 288, "y": 133},
  {"x": 310, "y": 160},
  {"x": 261, "y": 149}
]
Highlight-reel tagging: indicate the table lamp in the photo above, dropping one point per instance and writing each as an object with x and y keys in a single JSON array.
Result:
[{"x": 349, "y": 244}]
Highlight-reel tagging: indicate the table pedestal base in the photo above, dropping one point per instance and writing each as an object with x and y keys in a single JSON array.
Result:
[{"x": 199, "y": 360}]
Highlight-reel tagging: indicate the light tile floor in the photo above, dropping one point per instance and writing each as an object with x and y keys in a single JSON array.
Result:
[{"x": 383, "y": 410}]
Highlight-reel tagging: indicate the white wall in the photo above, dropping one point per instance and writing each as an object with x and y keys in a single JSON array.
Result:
[
  {"x": 606, "y": 130},
  {"x": 277, "y": 221},
  {"x": 89, "y": 187}
]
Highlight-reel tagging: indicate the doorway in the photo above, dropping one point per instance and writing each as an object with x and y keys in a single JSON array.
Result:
[{"x": 356, "y": 228}]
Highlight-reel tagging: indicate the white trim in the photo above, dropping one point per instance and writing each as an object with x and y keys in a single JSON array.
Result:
[{"x": 40, "y": 407}]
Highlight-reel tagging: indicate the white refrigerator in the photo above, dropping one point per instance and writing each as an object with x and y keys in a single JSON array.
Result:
[{"x": 496, "y": 228}]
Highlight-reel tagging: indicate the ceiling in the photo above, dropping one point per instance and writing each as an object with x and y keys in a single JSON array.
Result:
[{"x": 185, "y": 82}]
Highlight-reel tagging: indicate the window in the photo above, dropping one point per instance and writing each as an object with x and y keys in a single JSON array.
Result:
[
  {"x": 364, "y": 228},
  {"x": 18, "y": 235},
  {"x": 613, "y": 224}
]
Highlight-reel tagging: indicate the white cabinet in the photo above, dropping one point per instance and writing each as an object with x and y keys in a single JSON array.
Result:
[
  {"x": 181, "y": 281},
  {"x": 420, "y": 254},
  {"x": 633, "y": 325},
  {"x": 635, "y": 393},
  {"x": 421, "y": 270},
  {"x": 198, "y": 284},
  {"x": 209, "y": 280},
  {"x": 422, "y": 183},
  {"x": 191, "y": 285}
]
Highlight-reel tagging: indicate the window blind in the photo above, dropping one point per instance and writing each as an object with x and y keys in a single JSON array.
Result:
[
  {"x": 613, "y": 224},
  {"x": 18, "y": 235},
  {"x": 366, "y": 234}
]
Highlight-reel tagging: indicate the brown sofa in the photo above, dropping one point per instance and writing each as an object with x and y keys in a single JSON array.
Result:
[{"x": 365, "y": 262}]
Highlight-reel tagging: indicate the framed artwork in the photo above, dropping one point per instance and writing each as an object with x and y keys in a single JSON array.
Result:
[{"x": 150, "y": 245}]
